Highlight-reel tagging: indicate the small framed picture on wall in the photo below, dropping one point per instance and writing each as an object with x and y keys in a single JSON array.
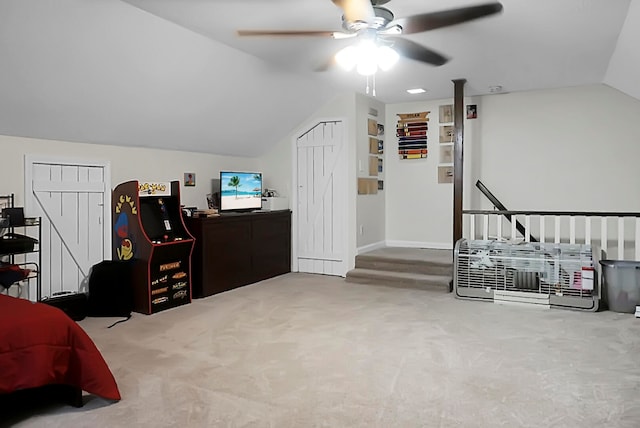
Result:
[
  {"x": 472, "y": 111},
  {"x": 189, "y": 179}
]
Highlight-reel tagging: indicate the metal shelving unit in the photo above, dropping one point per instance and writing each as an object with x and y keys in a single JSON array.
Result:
[{"x": 20, "y": 249}]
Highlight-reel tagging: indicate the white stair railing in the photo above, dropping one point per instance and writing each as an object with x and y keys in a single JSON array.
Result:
[{"x": 618, "y": 236}]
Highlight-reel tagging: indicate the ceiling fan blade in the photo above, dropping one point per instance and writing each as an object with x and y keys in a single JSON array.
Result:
[
  {"x": 356, "y": 10},
  {"x": 412, "y": 50},
  {"x": 277, "y": 33},
  {"x": 326, "y": 65},
  {"x": 431, "y": 21}
]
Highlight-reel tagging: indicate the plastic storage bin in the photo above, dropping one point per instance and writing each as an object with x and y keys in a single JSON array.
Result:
[{"x": 621, "y": 284}]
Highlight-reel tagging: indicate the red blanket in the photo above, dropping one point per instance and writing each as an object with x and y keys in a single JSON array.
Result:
[{"x": 41, "y": 345}]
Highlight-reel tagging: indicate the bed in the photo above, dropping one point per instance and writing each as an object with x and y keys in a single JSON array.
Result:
[{"x": 41, "y": 346}]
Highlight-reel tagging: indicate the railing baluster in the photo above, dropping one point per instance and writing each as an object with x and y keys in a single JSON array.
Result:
[
  {"x": 571, "y": 234},
  {"x": 485, "y": 227},
  {"x": 572, "y": 230},
  {"x": 620, "y": 238},
  {"x": 472, "y": 226},
  {"x": 603, "y": 234}
]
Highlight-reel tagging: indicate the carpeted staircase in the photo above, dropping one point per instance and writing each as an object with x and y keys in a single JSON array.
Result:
[{"x": 418, "y": 268}]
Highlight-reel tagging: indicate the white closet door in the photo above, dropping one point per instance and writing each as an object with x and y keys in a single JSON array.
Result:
[
  {"x": 321, "y": 201},
  {"x": 74, "y": 199}
]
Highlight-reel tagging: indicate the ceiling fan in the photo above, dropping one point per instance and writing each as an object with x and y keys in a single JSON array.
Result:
[{"x": 379, "y": 31}]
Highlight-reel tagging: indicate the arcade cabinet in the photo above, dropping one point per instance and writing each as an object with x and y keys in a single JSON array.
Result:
[{"x": 148, "y": 231}]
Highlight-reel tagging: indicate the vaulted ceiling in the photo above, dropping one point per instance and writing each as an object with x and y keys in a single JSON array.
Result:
[{"x": 174, "y": 74}]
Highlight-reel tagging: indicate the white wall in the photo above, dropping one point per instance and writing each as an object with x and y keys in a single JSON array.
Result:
[
  {"x": 419, "y": 209},
  {"x": 566, "y": 149},
  {"x": 370, "y": 209},
  {"x": 572, "y": 149},
  {"x": 624, "y": 66},
  {"x": 277, "y": 165},
  {"x": 126, "y": 164},
  {"x": 108, "y": 72}
]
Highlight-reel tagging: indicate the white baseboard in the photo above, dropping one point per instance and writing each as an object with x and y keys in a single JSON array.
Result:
[
  {"x": 370, "y": 247},
  {"x": 416, "y": 244}
]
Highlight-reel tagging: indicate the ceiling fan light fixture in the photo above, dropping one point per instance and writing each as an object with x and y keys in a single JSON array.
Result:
[
  {"x": 367, "y": 58},
  {"x": 387, "y": 58},
  {"x": 367, "y": 68},
  {"x": 347, "y": 58}
]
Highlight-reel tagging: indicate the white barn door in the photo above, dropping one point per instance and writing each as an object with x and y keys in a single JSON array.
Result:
[
  {"x": 74, "y": 200},
  {"x": 321, "y": 200}
]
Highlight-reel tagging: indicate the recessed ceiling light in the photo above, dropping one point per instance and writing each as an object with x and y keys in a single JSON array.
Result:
[{"x": 416, "y": 91}]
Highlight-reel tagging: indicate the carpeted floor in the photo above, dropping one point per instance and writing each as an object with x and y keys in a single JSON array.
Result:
[{"x": 314, "y": 351}]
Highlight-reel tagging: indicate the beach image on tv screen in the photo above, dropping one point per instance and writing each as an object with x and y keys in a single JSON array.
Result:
[{"x": 240, "y": 190}]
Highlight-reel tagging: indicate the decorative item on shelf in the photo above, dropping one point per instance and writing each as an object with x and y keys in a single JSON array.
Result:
[
  {"x": 188, "y": 211},
  {"x": 446, "y": 113},
  {"x": 211, "y": 212},
  {"x": 367, "y": 186},
  {"x": 446, "y": 154},
  {"x": 446, "y": 134},
  {"x": 373, "y": 166},
  {"x": 445, "y": 174},
  {"x": 270, "y": 193},
  {"x": 372, "y": 127},
  {"x": 411, "y": 131},
  {"x": 373, "y": 146}
]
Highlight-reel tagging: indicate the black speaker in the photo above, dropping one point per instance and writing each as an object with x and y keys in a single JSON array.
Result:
[{"x": 110, "y": 289}]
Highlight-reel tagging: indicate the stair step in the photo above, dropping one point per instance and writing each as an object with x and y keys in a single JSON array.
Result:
[
  {"x": 427, "y": 267},
  {"x": 399, "y": 279}
]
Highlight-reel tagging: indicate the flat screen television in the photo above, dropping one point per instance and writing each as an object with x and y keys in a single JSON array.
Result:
[{"x": 240, "y": 191}]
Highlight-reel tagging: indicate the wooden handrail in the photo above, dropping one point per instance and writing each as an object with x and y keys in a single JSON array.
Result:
[
  {"x": 496, "y": 203},
  {"x": 555, "y": 213}
]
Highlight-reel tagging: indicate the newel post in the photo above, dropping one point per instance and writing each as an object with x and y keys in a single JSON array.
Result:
[{"x": 458, "y": 130}]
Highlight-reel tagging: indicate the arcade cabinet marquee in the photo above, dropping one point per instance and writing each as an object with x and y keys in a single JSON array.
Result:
[{"x": 148, "y": 231}]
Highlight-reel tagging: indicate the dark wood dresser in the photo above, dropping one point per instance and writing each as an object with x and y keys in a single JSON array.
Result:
[{"x": 237, "y": 249}]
